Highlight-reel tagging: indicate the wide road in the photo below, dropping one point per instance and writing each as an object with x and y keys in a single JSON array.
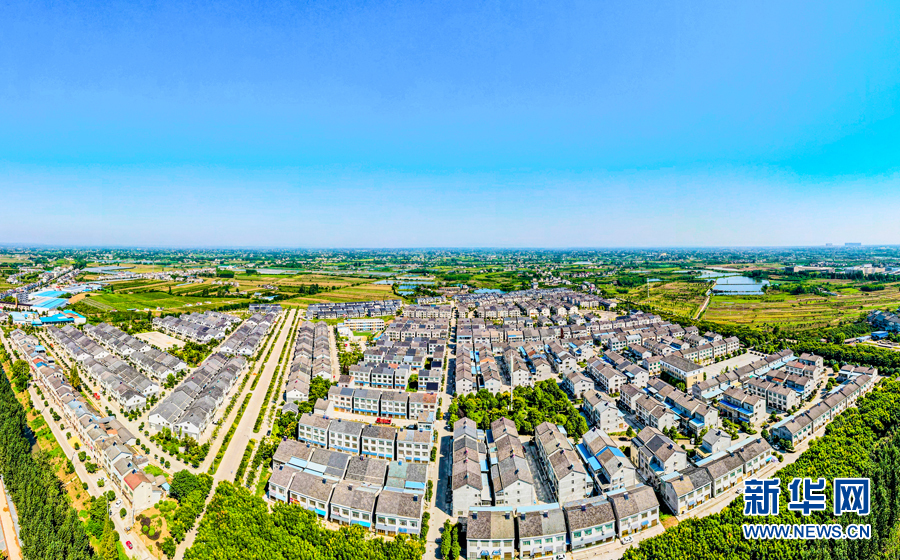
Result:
[{"x": 244, "y": 431}]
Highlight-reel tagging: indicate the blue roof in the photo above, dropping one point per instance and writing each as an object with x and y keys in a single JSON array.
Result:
[
  {"x": 414, "y": 485},
  {"x": 297, "y": 463},
  {"x": 616, "y": 451},
  {"x": 537, "y": 507},
  {"x": 57, "y": 318},
  {"x": 48, "y": 293},
  {"x": 52, "y": 303}
]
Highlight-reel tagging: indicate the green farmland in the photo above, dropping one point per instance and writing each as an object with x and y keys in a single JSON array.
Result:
[
  {"x": 800, "y": 312},
  {"x": 152, "y": 300}
]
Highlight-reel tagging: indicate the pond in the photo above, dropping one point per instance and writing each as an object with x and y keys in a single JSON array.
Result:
[
  {"x": 739, "y": 285},
  {"x": 488, "y": 291}
]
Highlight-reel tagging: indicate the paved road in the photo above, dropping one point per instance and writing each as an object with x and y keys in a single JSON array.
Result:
[
  {"x": 13, "y": 550},
  {"x": 227, "y": 421},
  {"x": 244, "y": 431},
  {"x": 439, "y": 473}
]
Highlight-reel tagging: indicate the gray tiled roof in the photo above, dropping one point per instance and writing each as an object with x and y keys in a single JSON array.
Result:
[
  {"x": 401, "y": 504},
  {"x": 589, "y": 512},
  {"x": 541, "y": 523},
  {"x": 488, "y": 525}
]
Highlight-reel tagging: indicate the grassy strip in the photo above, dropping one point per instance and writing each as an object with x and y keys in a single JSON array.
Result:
[
  {"x": 268, "y": 355},
  {"x": 248, "y": 452},
  {"x": 237, "y": 419},
  {"x": 231, "y": 405},
  {"x": 274, "y": 382}
]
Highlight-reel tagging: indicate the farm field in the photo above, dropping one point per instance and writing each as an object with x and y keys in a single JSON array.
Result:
[
  {"x": 367, "y": 292},
  {"x": 152, "y": 300},
  {"x": 678, "y": 298},
  {"x": 802, "y": 312}
]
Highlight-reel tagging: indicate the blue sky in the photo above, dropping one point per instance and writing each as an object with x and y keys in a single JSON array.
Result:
[{"x": 398, "y": 124}]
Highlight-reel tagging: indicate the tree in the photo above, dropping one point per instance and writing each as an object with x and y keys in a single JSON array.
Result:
[
  {"x": 123, "y": 513},
  {"x": 21, "y": 375},
  {"x": 629, "y": 432},
  {"x": 91, "y": 468},
  {"x": 455, "y": 549},
  {"x": 446, "y": 539},
  {"x": 167, "y": 547}
]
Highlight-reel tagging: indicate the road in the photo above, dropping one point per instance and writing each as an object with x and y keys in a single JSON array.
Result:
[
  {"x": 439, "y": 473},
  {"x": 227, "y": 421},
  {"x": 703, "y": 307},
  {"x": 13, "y": 550},
  {"x": 244, "y": 431}
]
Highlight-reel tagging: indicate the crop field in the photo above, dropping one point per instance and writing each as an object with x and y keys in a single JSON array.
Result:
[
  {"x": 367, "y": 292},
  {"x": 801, "y": 312},
  {"x": 679, "y": 298},
  {"x": 152, "y": 300}
]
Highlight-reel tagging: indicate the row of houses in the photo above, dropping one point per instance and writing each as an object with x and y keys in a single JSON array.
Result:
[
  {"x": 428, "y": 311},
  {"x": 687, "y": 487},
  {"x": 197, "y": 327},
  {"x": 107, "y": 442},
  {"x": 406, "y": 328},
  {"x": 567, "y": 475},
  {"x": 798, "y": 427},
  {"x": 612, "y": 372},
  {"x": 124, "y": 384},
  {"x": 354, "y": 309},
  {"x": 385, "y": 404},
  {"x": 546, "y": 530},
  {"x": 155, "y": 363},
  {"x": 385, "y": 496},
  {"x": 374, "y": 440},
  {"x": 312, "y": 358},
  {"x": 669, "y": 339},
  {"x": 248, "y": 337},
  {"x": 191, "y": 406},
  {"x": 534, "y": 302}
]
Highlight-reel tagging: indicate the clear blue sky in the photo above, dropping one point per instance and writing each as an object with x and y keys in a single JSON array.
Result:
[{"x": 397, "y": 124}]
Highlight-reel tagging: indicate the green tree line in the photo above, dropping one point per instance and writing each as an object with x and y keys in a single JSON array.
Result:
[
  {"x": 49, "y": 526},
  {"x": 239, "y": 526}
]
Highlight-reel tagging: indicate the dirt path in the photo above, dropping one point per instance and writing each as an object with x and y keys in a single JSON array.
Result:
[{"x": 9, "y": 532}]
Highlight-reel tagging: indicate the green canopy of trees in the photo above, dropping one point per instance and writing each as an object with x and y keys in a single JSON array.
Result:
[
  {"x": 239, "y": 526},
  {"x": 527, "y": 407},
  {"x": 191, "y": 491}
]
